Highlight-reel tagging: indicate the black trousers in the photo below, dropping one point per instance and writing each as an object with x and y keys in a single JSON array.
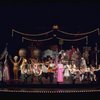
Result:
[{"x": 51, "y": 76}]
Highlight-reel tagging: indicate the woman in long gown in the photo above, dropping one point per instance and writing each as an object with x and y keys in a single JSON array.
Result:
[
  {"x": 60, "y": 69},
  {"x": 6, "y": 75}
]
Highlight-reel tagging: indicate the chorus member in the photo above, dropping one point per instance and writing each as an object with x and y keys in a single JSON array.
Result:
[
  {"x": 1, "y": 71},
  {"x": 15, "y": 66},
  {"x": 66, "y": 70},
  {"x": 51, "y": 71},
  {"x": 60, "y": 69},
  {"x": 6, "y": 74}
]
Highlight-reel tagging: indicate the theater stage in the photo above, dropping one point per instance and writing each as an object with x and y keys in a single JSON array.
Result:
[
  {"x": 49, "y": 91},
  {"x": 49, "y": 88}
]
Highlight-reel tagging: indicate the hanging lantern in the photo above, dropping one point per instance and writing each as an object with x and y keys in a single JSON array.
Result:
[{"x": 22, "y": 52}]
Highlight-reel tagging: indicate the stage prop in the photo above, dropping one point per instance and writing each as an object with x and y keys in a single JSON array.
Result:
[{"x": 22, "y": 53}]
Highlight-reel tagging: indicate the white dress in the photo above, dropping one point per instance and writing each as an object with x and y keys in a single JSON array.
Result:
[
  {"x": 66, "y": 71},
  {"x": 44, "y": 69}
]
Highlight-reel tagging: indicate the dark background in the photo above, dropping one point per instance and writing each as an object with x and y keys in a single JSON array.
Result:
[
  {"x": 31, "y": 17},
  {"x": 37, "y": 17}
]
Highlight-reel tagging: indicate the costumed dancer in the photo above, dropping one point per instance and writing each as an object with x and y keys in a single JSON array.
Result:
[
  {"x": 22, "y": 69},
  {"x": 60, "y": 69},
  {"x": 15, "y": 66},
  {"x": 71, "y": 51},
  {"x": 97, "y": 73},
  {"x": 51, "y": 68},
  {"x": 73, "y": 72},
  {"x": 37, "y": 70},
  {"x": 66, "y": 70},
  {"x": 83, "y": 62},
  {"x": 26, "y": 71},
  {"x": 86, "y": 56},
  {"x": 1, "y": 71},
  {"x": 83, "y": 73},
  {"x": 44, "y": 70},
  {"x": 92, "y": 73},
  {"x": 6, "y": 74},
  {"x": 78, "y": 58}
]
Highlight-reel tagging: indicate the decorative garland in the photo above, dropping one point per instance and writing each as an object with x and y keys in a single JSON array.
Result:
[
  {"x": 79, "y": 34},
  {"x": 45, "y": 33},
  {"x": 24, "y": 38},
  {"x": 55, "y": 27},
  {"x": 72, "y": 39}
]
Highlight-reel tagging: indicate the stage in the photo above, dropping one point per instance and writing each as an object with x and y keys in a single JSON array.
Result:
[
  {"x": 48, "y": 91},
  {"x": 49, "y": 88}
]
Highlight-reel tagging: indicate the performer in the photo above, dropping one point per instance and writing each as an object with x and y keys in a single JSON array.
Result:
[
  {"x": 60, "y": 69},
  {"x": 15, "y": 66},
  {"x": 84, "y": 73},
  {"x": 73, "y": 64},
  {"x": 83, "y": 62},
  {"x": 51, "y": 70},
  {"x": 86, "y": 56},
  {"x": 45, "y": 70},
  {"x": 78, "y": 58},
  {"x": 0, "y": 71},
  {"x": 6, "y": 75},
  {"x": 27, "y": 73},
  {"x": 97, "y": 73},
  {"x": 72, "y": 50},
  {"x": 73, "y": 73},
  {"x": 66, "y": 70},
  {"x": 92, "y": 73},
  {"x": 37, "y": 70},
  {"x": 22, "y": 68}
]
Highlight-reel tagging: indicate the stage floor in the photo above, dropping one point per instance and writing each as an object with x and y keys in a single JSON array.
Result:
[{"x": 49, "y": 90}]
